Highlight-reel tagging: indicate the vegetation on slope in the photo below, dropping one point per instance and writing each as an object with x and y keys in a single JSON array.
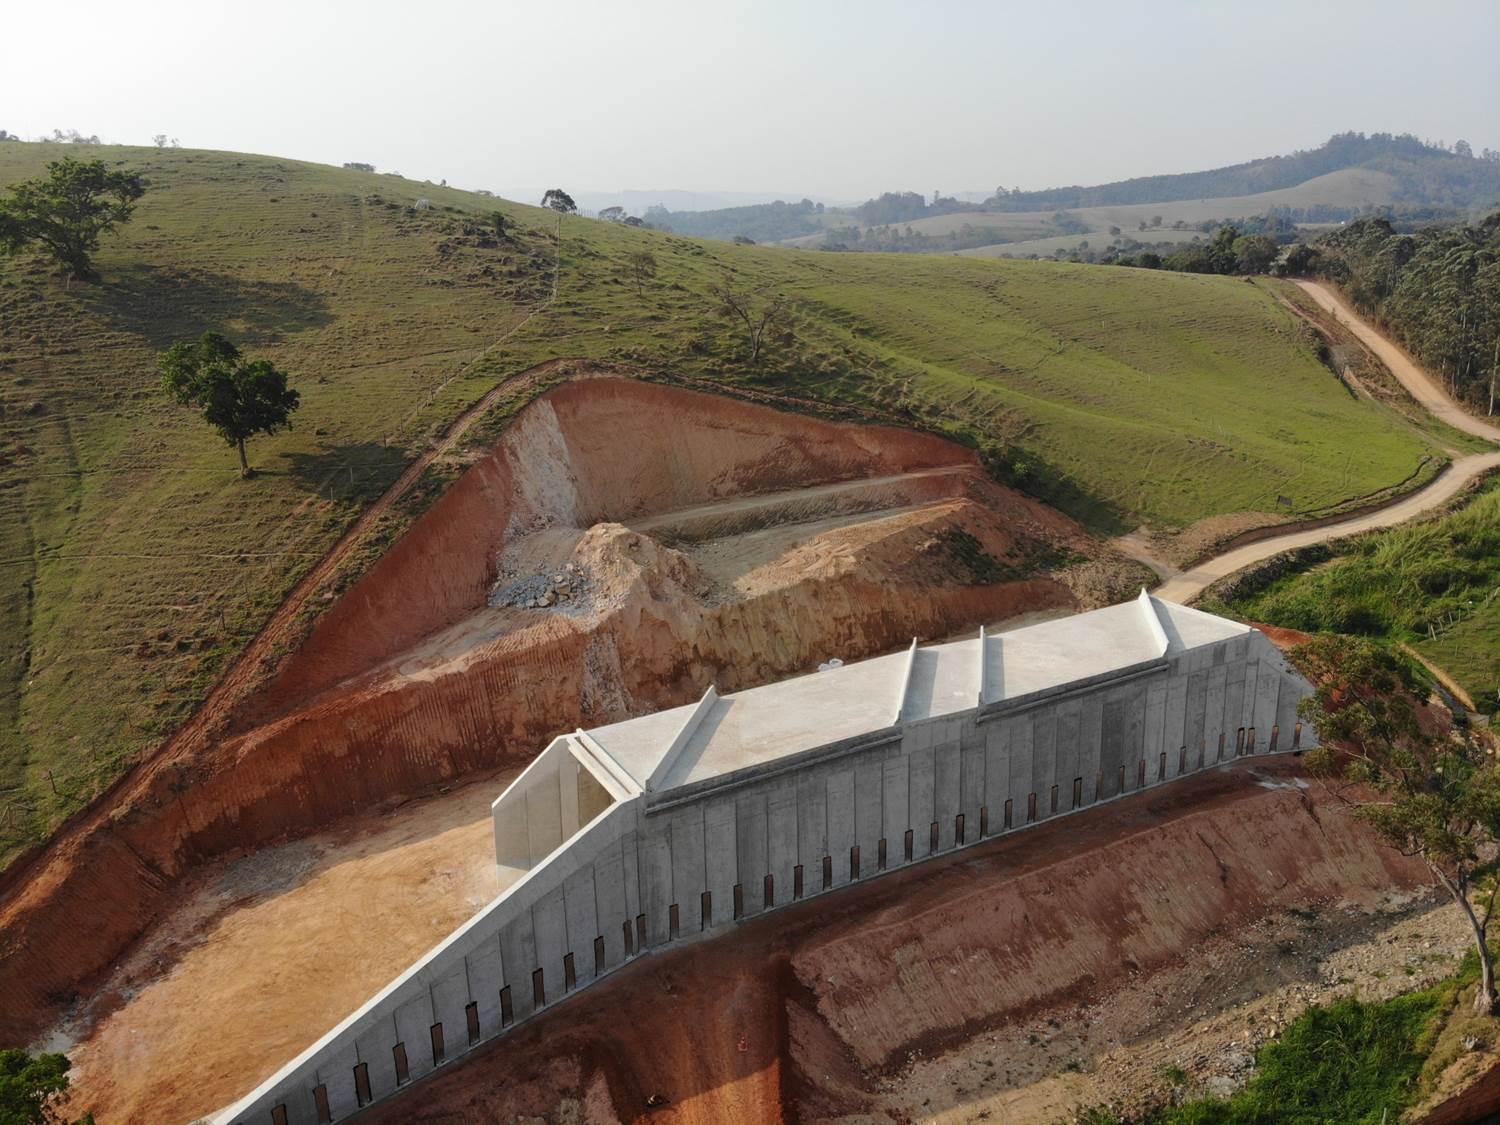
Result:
[
  {"x": 134, "y": 563},
  {"x": 1352, "y": 1062},
  {"x": 1437, "y": 290},
  {"x": 1432, "y": 584}
]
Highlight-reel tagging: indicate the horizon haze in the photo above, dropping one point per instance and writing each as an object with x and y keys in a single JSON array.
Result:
[{"x": 767, "y": 101}]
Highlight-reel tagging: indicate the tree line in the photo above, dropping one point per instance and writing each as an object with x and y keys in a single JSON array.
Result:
[{"x": 1437, "y": 290}]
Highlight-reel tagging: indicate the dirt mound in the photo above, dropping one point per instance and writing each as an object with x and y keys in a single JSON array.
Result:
[
  {"x": 804, "y": 1015},
  {"x": 412, "y": 679}
]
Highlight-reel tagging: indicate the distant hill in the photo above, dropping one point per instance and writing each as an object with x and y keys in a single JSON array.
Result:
[
  {"x": 1349, "y": 175},
  {"x": 1423, "y": 173},
  {"x": 761, "y": 222}
]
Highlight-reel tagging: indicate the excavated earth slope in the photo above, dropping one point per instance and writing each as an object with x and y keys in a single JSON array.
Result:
[
  {"x": 801, "y": 1016},
  {"x": 522, "y": 604}
]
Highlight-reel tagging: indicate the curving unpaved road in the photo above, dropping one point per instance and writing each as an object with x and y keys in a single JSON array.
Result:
[
  {"x": 1426, "y": 390},
  {"x": 1190, "y": 583}
]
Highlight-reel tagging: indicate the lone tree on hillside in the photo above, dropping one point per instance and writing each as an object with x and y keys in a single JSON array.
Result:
[
  {"x": 758, "y": 312},
  {"x": 613, "y": 214},
  {"x": 238, "y": 397},
  {"x": 1430, "y": 794},
  {"x": 500, "y": 225},
  {"x": 66, "y": 213},
  {"x": 640, "y": 268},
  {"x": 32, "y": 1088},
  {"x": 559, "y": 200}
]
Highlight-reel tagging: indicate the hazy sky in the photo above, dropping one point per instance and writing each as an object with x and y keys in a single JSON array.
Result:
[{"x": 841, "y": 100}]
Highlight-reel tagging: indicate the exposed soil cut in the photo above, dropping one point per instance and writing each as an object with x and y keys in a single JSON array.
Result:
[
  {"x": 523, "y": 604},
  {"x": 1011, "y": 981},
  {"x": 289, "y": 940}
]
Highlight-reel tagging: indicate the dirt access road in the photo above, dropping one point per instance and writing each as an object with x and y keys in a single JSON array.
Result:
[{"x": 1190, "y": 583}]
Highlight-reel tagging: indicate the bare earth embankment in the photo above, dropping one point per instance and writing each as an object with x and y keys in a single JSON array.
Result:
[{"x": 1013, "y": 982}]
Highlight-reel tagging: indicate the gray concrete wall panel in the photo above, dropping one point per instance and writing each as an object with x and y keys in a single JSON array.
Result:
[
  {"x": 549, "y": 920},
  {"x": 582, "y": 915},
  {"x": 1090, "y": 735},
  {"x": 752, "y": 857},
  {"x": 896, "y": 810},
  {"x": 719, "y": 846},
  {"x": 781, "y": 836},
  {"x": 486, "y": 979},
  {"x": 840, "y": 788}
]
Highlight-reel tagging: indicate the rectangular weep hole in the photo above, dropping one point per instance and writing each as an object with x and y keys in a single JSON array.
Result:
[
  {"x": 768, "y": 891},
  {"x": 880, "y": 854},
  {"x": 640, "y": 932},
  {"x": 1030, "y": 807},
  {"x": 538, "y": 988},
  {"x": 932, "y": 838},
  {"x": 1007, "y": 821},
  {"x": 1052, "y": 800},
  {"x": 320, "y": 1103},
  {"x": 739, "y": 900},
  {"x": 827, "y": 871},
  {"x": 958, "y": 830},
  {"x": 403, "y": 1068},
  {"x": 627, "y": 934},
  {"x": 1140, "y": 773},
  {"x": 984, "y": 821},
  {"x": 362, "y": 1084},
  {"x": 507, "y": 1013},
  {"x": 599, "y": 955},
  {"x": 436, "y": 1034},
  {"x": 471, "y": 1017},
  {"x": 854, "y": 862},
  {"x": 673, "y": 918},
  {"x": 705, "y": 910},
  {"x": 278, "y": 1115},
  {"x": 906, "y": 845},
  {"x": 570, "y": 973},
  {"x": 1161, "y": 766},
  {"x": 1077, "y": 792},
  {"x": 797, "y": 882}
]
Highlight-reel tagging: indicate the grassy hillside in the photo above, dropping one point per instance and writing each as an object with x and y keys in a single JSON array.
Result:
[
  {"x": 134, "y": 563},
  {"x": 1435, "y": 585}
]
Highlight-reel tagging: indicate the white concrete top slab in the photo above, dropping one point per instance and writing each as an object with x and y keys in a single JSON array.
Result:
[{"x": 760, "y": 725}]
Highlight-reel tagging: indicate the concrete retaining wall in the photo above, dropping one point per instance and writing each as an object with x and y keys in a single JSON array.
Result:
[{"x": 652, "y": 868}]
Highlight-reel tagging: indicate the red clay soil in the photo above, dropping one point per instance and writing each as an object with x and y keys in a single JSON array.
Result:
[
  {"x": 1477, "y": 1102},
  {"x": 409, "y": 681},
  {"x": 797, "y": 1016}
]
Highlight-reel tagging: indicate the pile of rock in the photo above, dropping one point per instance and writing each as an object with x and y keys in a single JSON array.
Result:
[{"x": 564, "y": 588}]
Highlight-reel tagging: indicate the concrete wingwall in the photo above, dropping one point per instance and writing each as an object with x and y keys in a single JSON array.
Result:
[{"x": 653, "y": 868}]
